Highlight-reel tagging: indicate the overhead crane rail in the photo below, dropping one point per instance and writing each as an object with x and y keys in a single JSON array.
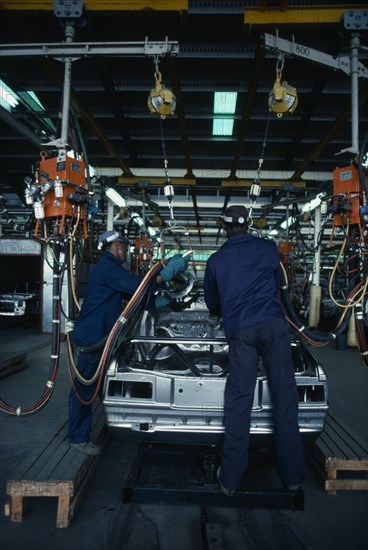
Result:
[
  {"x": 78, "y": 50},
  {"x": 290, "y": 47}
]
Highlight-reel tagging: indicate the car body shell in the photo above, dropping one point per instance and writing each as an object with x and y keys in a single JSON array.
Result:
[{"x": 166, "y": 381}]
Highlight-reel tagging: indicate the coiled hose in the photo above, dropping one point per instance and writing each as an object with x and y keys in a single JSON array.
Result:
[
  {"x": 55, "y": 349},
  {"x": 110, "y": 341},
  {"x": 312, "y": 336}
]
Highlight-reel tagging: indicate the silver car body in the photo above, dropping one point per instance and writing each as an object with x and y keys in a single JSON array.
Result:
[{"x": 166, "y": 381}]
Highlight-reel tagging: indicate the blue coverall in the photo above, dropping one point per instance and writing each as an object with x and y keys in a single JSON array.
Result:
[
  {"x": 241, "y": 283},
  {"x": 108, "y": 285}
]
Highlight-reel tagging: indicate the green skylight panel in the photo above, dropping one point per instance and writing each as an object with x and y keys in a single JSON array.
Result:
[
  {"x": 8, "y": 98},
  {"x": 225, "y": 103},
  {"x": 223, "y": 126},
  {"x": 37, "y": 105},
  {"x": 31, "y": 100}
]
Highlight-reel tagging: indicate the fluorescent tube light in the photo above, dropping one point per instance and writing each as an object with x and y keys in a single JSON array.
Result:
[
  {"x": 222, "y": 126},
  {"x": 225, "y": 103},
  {"x": 115, "y": 197},
  {"x": 8, "y": 98}
]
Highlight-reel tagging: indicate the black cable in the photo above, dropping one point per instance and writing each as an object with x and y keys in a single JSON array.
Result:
[
  {"x": 316, "y": 335},
  {"x": 264, "y": 143},
  {"x": 362, "y": 152},
  {"x": 188, "y": 363}
]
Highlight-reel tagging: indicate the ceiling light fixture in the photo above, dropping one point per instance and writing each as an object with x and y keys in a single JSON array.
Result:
[
  {"x": 161, "y": 100},
  {"x": 8, "y": 98},
  {"x": 224, "y": 103},
  {"x": 283, "y": 98},
  {"x": 115, "y": 197},
  {"x": 222, "y": 127}
]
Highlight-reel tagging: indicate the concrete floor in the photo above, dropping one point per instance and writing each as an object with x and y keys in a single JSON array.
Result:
[{"x": 104, "y": 522}]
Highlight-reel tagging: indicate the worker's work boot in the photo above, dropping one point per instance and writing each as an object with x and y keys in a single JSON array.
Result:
[
  {"x": 224, "y": 490},
  {"x": 293, "y": 487},
  {"x": 87, "y": 448}
]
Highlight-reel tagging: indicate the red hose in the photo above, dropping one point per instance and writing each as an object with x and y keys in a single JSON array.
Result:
[{"x": 135, "y": 299}]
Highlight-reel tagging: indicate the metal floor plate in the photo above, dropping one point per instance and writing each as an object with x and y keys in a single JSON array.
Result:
[{"x": 164, "y": 474}]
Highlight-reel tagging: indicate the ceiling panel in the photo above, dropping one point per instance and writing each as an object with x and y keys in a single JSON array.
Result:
[{"x": 217, "y": 51}]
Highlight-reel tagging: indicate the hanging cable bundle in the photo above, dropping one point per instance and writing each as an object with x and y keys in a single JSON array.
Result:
[
  {"x": 109, "y": 342},
  {"x": 361, "y": 333},
  {"x": 55, "y": 348},
  {"x": 313, "y": 337}
]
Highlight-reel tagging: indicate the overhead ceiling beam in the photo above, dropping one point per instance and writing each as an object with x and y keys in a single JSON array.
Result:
[
  {"x": 134, "y": 180},
  {"x": 175, "y": 82},
  {"x": 196, "y": 212},
  {"x": 117, "y": 111},
  {"x": 295, "y": 15},
  {"x": 136, "y": 5},
  {"x": 21, "y": 128},
  {"x": 100, "y": 5},
  {"x": 53, "y": 70},
  {"x": 115, "y": 103},
  {"x": 77, "y": 50},
  {"x": 177, "y": 175},
  {"x": 331, "y": 132},
  {"x": 266, "y": 184},
  {"x": 249, "y": 102},
  {"x": 309, "y": 107}
]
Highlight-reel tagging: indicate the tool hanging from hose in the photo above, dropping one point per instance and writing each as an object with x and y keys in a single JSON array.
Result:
[{"x": 255, "y": 190}]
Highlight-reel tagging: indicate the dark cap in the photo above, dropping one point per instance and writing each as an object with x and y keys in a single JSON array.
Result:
[
  {"x": 110, "y": 237},
  {"x": 236, "y": 214}
]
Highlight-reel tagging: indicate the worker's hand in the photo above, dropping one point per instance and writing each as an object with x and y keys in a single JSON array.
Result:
[
  {"x": 162, "y": 301},
  {"x": 175, "y": 265}
]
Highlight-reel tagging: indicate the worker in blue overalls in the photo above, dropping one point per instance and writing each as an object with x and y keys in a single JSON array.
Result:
[
  {"x": 109, "y": 284},
  {"x": 241, "y": 283}
]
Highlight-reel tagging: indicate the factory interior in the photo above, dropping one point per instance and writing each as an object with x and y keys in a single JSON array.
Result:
[{"x": 150, "y": 118}]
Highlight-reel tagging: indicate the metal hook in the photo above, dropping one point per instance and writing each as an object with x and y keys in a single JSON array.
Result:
[
  {"x": 280, "y": 63},
  {"x": 156, "y": 61}
]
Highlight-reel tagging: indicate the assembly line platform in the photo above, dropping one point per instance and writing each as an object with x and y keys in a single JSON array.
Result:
[{"x": 186, "y": 475}]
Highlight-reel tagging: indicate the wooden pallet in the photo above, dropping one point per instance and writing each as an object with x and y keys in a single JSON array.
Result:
[
  {"x": 58, "y": 471},
  {"x": 340, "y": 458}
]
